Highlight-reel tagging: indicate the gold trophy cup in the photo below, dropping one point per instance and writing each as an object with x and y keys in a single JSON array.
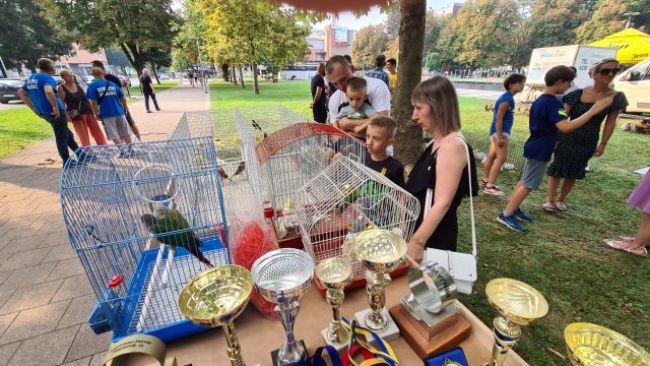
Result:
[
  {"x": 517, "y": 304},
  {"x": 379, "y": 251},
  {"x": 215, "y": 298},
  {"x": 335, "y": 274},
  {"x": 593, "y": 345}
]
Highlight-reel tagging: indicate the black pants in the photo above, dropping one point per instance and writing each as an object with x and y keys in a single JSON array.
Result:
[
  {"x": 62, "y": 135},
  {"x": 320, "y": 113},
  {"x": 146, "y": 101}
]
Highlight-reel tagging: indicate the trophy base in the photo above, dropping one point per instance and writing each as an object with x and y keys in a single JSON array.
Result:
[
  {"x": 337, "y": 346},
  {"x": 390, "y": 333},
  {"x": 303, "y": 362},
  {"x": 446, "y": 334}
]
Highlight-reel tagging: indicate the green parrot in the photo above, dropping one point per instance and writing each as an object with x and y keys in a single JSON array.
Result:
[
  {"x": 169, "y": 219},
  {"x": 350, "y": 195}
]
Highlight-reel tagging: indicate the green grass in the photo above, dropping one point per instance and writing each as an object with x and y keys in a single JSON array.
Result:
[
  {"x": 295, "y": 95},
  {"x": 19, "y": 128},
  {"x": 562, "y": 255}
]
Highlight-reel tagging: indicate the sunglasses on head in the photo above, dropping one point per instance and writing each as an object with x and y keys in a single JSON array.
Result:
[{"x": 609, "y": 71}]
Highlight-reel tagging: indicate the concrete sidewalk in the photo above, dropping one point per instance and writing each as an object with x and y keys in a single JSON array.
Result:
[{"x": 45, "y": 297}]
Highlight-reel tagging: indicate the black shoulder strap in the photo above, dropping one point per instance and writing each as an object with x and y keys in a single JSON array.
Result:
[{"x": 101, "y": 99}]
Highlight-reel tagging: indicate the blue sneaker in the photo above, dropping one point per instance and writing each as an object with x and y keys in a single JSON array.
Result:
[
  {"x": 519, "y": 214},
  {"x": 510, "y": 222}
]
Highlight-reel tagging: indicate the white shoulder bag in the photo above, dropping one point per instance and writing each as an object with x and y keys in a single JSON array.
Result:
[{"x": 461, "y": 266}]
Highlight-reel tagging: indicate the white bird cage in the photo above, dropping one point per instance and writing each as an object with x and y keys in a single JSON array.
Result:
[
  {"x": 347, "y": 198},
  {"x": 294, "y": 155},
  {"x": 234, "y": 145}
]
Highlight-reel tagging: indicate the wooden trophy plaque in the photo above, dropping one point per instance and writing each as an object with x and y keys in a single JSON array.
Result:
[{"x": 450, "y": 330}]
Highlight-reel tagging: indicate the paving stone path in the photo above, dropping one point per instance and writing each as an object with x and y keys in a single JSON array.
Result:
[{"x": 45, "y": 297}]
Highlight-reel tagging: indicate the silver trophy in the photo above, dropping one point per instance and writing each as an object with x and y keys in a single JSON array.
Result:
[{"x": 282, "y": 276}]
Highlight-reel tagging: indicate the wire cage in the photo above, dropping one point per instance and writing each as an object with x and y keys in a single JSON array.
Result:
[
  {"x": 347, "y": 198},
  {"x": 270, "y": 118},
  {"x": 289, "y": 158},
  {"x": 233, "y": 147},
  {"x": 144, "y": 219}
]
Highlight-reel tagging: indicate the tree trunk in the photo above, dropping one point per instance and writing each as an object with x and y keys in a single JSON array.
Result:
[
  {"x": 408, "y": 139},
  {"x": 256, "y": 87},
  {"x": 136, "y": 59},
  {"x": 241, "y": 77},
  {"x": 155, "y": 73},
  {"x": 224, "y": 72},
  {"x": 234, "y": 75}
]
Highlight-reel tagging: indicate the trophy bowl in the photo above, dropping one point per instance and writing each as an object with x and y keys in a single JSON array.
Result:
[
  {"x": 517, "y": 301},
  {"x": 334, "y": 273},
  {"x": 379, "y": 250},
  {"x": 593, "y": 345},
  {"x": 216, "y": 296},
  {"x": 283, "y": 275}
]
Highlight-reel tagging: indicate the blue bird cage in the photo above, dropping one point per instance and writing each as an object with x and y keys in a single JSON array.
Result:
[{"x": 109, "y": 201}]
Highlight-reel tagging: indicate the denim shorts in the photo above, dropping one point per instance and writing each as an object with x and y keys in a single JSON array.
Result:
[{"x": 533, "y": 173}]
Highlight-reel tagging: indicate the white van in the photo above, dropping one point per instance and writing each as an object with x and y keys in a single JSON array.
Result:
[{"x": 635, "y": 83}]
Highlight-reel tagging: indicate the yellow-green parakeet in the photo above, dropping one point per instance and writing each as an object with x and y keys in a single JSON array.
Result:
[{"x": 170, "y": 220}]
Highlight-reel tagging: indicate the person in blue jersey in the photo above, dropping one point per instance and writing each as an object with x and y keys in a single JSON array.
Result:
[
  {"x": 547, "y": 119},
  {"x": 500, "y": 130},
  {"x": 39, "y": 94},
  {"x": 109, "y": 104}
]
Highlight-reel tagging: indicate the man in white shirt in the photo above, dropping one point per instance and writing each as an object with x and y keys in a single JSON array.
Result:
[{"x": 338, "y": 73}]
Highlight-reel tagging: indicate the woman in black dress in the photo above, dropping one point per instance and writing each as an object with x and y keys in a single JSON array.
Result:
[
  {"x": 574, "y": 149},
  {"x": 442, "y": 167},
  {"x": 319, "y": 95}
]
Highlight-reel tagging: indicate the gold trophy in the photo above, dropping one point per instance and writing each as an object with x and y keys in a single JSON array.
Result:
[
  {"x": 335, "y": 274},
  {"x": 593, "y": 345},
  {"x": 517, "y": 304},
  {"x": 379, "y": 251},
  {"x": 215, "y": 298}
]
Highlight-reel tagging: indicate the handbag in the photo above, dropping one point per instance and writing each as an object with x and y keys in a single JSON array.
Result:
[{"x": 461, "y": 266}]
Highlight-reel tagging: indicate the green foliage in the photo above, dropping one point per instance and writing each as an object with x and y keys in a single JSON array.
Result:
[
  {"x": 607, "y": 18},
  {"x": 25, "y": 35},
  {"x": 370, "y": 42},
  {"x": 253, "y": 32},
  {"x": 136, "y": 26},
  {"x": 189, "y": 37},
  {"x": 487, "y": 33}
]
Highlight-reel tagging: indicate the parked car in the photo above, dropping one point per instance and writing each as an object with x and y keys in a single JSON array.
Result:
[{"x": 9, "y": 89}]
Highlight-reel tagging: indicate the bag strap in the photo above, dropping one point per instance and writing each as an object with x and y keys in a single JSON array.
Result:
[
  {"x": 471, "y": 194},
  {"x": 101, "y": 99},
  {"x": 429, "y": 196}
]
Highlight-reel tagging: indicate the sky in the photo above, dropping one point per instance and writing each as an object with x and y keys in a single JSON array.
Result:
[{"x": 348, "y": 20}]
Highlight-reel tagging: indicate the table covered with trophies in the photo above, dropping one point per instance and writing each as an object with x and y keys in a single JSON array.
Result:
[{"x": 259, "y": 336}]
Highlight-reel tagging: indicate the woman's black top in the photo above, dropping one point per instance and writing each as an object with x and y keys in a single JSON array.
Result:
[
  {"x": 423, "y": 177},
  {"x": 76, "y": 100}
]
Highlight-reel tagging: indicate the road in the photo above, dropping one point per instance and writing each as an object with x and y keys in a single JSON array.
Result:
[
  {"x": 12, "y": 104},
  {"x": 477, "y": 93}
]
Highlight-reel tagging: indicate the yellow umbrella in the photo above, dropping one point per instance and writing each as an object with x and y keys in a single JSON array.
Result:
[{"x": 633, "y": 45}]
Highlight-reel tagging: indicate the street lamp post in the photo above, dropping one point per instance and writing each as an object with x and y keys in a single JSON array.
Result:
[{"x": 629, "y": 16}]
